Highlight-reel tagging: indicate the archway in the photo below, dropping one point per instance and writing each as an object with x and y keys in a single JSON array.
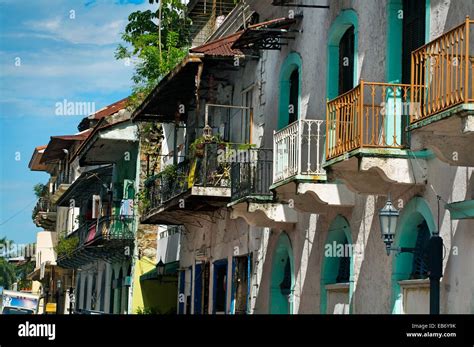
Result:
[
  {"x": 337, "y": 273},
  {"x": 282, "y": 277},
  {"x": 343, "y": 36},
  {"x": 415, "y": 226},
  {"x": 290, "y": 90}
]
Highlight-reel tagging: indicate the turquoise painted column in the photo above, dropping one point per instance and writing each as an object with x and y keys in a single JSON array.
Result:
[
  {"x": 393, "y": 66},
  {"x": 393, "y": 70}
]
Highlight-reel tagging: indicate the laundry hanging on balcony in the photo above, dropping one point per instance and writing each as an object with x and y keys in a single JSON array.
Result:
[{"x": 126, "y": 207}]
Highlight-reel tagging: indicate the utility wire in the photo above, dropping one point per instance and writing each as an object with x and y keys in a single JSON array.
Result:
[{"x": 17, "y": 213}]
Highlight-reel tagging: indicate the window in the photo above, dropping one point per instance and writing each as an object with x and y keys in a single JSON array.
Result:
[
  {"x": 294, "y": 96},
  {"x": 344, "y": 265},
  {"x": 413, "y": 34},
  {"x": 290, "y": 90},
  {"x": 346, "y": 61},
  {"x": 420, "y": 258}
]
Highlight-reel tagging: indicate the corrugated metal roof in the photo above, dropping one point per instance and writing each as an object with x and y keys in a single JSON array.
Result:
[
  {"x": 220, "y": 47},
  {"x": 54, "y": 150},
  {"x": 110, "y": 109},
  {"x": 223, "y": 46}
]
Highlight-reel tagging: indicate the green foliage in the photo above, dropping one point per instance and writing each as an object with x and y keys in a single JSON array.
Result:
[
  {"x": 7, "y": 270},
  {"x": 170, "y": 172},
  {"x": 21, "y": 272},
  {"x": 196, "y": 148},
  {"x": 40, "y": 189},
  {"x": 143, "y": 201},
  {"x": 153, "y": 310},
  {"x": 66, "y": 246},
  {"x": 142, "y": 43}
]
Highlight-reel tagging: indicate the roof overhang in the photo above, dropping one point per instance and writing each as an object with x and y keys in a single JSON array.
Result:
[
  {"x": 177, "y": 87},
  {"x": 58, "y": 144},
  {"x": 109, "y": 145},
  {"x": 35, "y": 161}
]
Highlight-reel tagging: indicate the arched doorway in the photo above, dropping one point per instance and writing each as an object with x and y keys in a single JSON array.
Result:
[
  {"x": 410, "y": 284},
  {"x": 282, "y": 277},
  {"x": 337, "y": 273},
  {"x": 290, "y": 90},
  {"x": 342, "y": 73}
]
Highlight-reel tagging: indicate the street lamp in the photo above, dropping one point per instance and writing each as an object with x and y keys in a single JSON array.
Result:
[
  {"x": 160, "y": 268},
  {"x": 388, "y": 223}
]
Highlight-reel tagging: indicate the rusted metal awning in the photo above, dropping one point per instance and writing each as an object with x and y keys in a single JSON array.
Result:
[
  {"x": 292, "y": 3},
  {"x": 175, "y": 89},
  {"x": 271, "y": 35},
  {"x": 56, "y": 146}
]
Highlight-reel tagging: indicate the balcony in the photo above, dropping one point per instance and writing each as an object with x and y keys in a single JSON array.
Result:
[
  {"x": 251, "y": 174},
  {"x": 365, "y": 144},
  {"x": 44, "y": 214},
  {"x": 105, "y": 239},
  {"x": 251, "y": 197},
  {"x": 194, "y": 187},
  {"x": 444, "y": 118},
  {"x": 60, "y": 185},
  {"x": 299, "y": 178}
]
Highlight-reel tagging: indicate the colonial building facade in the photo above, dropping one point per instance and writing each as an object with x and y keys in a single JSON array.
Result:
[{"x": 259, "y": 165}]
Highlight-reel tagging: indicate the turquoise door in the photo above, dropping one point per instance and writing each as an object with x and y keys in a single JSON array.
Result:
[{"x": 282, "y": 278}]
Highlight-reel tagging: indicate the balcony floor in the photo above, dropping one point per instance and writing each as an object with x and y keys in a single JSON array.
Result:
[
  {"x": 449, "y": 135},
  {"x": 375, "y": 171},
  {"x": 198, "y": 202}
]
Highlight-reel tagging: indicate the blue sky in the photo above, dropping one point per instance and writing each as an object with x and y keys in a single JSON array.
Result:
[{"x": 47, "y": 54}]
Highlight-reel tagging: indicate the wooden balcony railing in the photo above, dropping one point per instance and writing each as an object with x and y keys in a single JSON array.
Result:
[
  {"x": 369, "y": 116},
  {"x": 298, "y": 150},
  {"x": 442, "y": 72}
]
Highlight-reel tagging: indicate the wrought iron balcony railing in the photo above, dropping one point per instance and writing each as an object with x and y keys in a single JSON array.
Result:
[
  {"x": 298, "y": 150},
  {"x": 209, "y": 168},
  {"x": 106, "y": 228},
  {"x": 44, "y": 204},
  {"x": 251, "y": 174},
  {"x": 369, "y": 116},
  {"x": 442, "y": 72}
]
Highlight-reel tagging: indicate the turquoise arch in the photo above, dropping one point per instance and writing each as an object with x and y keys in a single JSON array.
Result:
[
  {"x": 411, "y": 216},
  {"x": 293, "y": 61},
  {"x": 343, "y": 21},
  {"x": 279, "y": 303},
  {"x": 339, "y": 230}
]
